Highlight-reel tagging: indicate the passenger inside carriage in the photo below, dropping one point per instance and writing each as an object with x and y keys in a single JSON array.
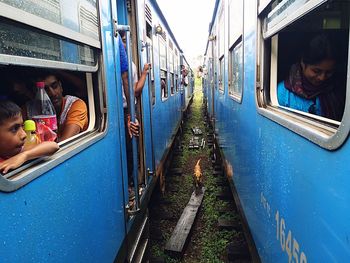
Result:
[
  {"x": 13, "y": 150},
  {"x": 71, "y": 111},
  {"x": 311, "y": 85}
]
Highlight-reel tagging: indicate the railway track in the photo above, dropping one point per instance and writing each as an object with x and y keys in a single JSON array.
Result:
[{"x": 216, "y": 234}]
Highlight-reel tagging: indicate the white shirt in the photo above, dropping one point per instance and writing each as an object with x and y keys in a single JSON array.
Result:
[{"x": 135, "y": 78}]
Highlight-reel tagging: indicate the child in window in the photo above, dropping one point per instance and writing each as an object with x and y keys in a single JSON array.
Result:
[{"x": 12, "y": 137}]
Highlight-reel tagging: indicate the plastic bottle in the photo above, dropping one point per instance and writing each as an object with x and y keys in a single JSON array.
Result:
[
  {"x": 43, "y": 113},
  {"x": 32, "y": 139}
]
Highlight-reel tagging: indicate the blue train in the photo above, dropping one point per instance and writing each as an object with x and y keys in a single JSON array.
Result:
[
  {"x": 288, "y": 167},
  {"x": 74, "y": 206}
]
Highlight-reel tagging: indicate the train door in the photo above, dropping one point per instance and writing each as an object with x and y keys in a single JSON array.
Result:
[
  {"x": 141, "y": 53},
  {"x": 145, "y": 51},
  {"x": 138, "y": 53},
  {"x": 134, "y": 167}
]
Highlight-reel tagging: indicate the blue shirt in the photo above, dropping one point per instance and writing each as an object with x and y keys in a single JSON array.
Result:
[
  {"x": 289, "y": 99},
  {"x": 122, "y": 56}
]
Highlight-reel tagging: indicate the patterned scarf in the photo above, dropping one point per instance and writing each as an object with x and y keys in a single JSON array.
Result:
[{"x": 298, "y": 84}]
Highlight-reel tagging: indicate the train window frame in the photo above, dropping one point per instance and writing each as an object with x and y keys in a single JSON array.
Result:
[
  {"x": 176, "y": 69},
  {"x": 221, "y": 75},
  {"x": 149, "y": 37},
  {"x": 221, "y": 30},
  {"x": 235, "y": 29},
  {"x": 327, "y": 133},
  {"x": 96, "y": 104},
  {"x": 171, "y": 69},
  {"x": 236, "y": 94},
  {"x": 163, "y": 69}
]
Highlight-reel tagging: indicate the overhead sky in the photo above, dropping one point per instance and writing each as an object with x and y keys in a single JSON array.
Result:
[{"x": 189, "y": 21}]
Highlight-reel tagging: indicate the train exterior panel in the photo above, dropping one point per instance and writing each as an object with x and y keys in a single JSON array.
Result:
[{"x": 290, "y": 174}]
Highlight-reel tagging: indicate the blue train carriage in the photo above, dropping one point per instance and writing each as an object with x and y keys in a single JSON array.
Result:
[
  {"x": 160, "y": 108},
  {"x": 72, "y": 205},
  {"x": 86, "y": 213},
  {"x": 158, "y": 46},
  {"x": 289, "y": 167}
]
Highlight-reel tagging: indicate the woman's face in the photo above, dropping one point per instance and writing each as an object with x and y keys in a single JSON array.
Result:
[{"x": 317, "y": 74}]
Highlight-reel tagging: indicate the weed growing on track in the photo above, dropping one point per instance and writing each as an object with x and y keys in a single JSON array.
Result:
[{"x": 207, "y": 243}]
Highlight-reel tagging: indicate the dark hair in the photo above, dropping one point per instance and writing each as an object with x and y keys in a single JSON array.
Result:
[
  {"x": 122, "y": 33},
  {"x": 317, "y": 49},
  {"x": 8, "y": 109}
]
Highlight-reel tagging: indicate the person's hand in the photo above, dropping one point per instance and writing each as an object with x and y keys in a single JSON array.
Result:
[
  {"x": 13, "y": 162},
  {"x": 147, "y": 67},
  {"x": 133, "y": 127}
]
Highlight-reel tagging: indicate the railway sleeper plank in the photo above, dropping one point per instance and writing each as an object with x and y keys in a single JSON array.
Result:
[
  {"x": 217, "y": 173},
  {"x": 175, "y": 171},
  {"x": 228, "y": 224},
  {"x": 175, "y": 246},
  {"x": 222, "y": 183},
  {"x": 225, "y": 195},
  {"x": 157, "y": 260},
  {"x": 237, "y": 251},
  {"x": 228, "y": 208}
]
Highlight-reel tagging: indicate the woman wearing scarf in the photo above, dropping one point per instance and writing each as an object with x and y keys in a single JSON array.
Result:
[{"x": 310, "y": 85}]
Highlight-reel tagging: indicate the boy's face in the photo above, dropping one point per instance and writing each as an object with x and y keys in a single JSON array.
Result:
[{"x": 12, "y": 136}]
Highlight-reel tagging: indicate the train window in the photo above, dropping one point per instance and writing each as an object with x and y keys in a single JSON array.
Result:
[
  {"x": 29, "y": 53},
  {"x": 177, "y": 69},
  {"x": 40, "y": 45},
  {"x": 221, "y": 74},
  {"x": 171, "y": 69},
  {"x": 236, "y": 71},
  {"x": 221, "y": 32},
  {"x": 151, "y": 59},
  {"x": 172, "y": 80},
  {"x": 163, "y": 68},
  {"x": 303, "y": 61},
  {"x": 164, "y": 84},
  {"x": 215, "y": 56},
  {"x": 235, "y": 27}
]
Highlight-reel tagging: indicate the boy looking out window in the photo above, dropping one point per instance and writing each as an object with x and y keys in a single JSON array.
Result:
[{"x": 12, "y": 137}]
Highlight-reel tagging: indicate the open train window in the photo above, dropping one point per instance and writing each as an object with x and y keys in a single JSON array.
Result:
[
  {"x": 235, "y": 60},
  {"x": 221, "y": 77},
  {"x": 177, "y": 70},
  {"x": 163, "y": 68},
  {"x": 150, "y": 59},
  {"x": 303, "y": 67},
  {"x": 236, "y": 71},
  {"x": 30, "y": 51},
  {"x": 171, "y": 68}
]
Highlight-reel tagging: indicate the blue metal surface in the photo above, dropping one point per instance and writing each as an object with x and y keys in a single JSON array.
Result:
[{"x": 295, "y": 194}]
